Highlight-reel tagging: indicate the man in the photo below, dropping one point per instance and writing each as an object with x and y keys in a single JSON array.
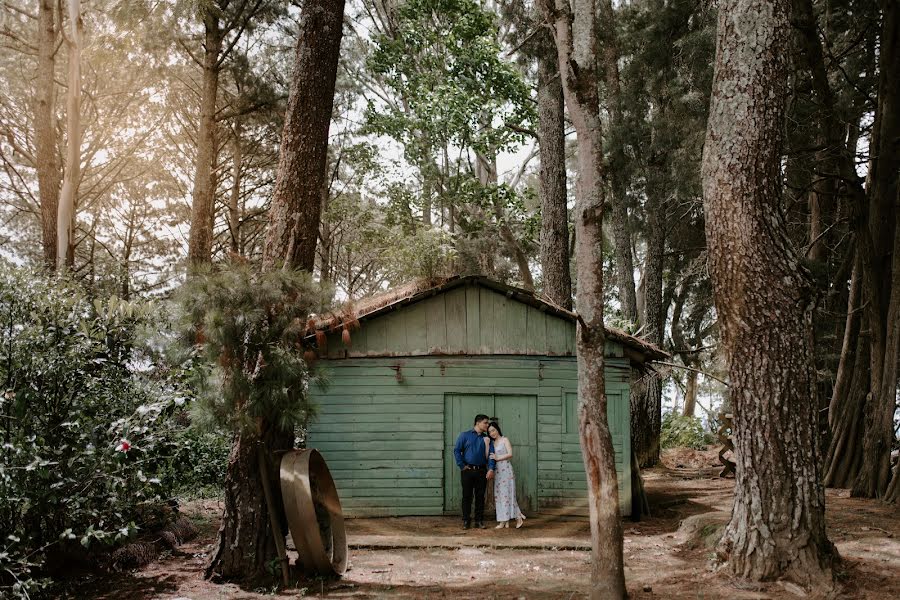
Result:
[{"x": 471, "y": 453}]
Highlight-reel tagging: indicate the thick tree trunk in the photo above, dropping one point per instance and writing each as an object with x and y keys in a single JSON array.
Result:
[
  {"x": 245, "y": 545},
  {"x": 554, "y": 215},
  {"x": 45, "y": 136},
  {"x": 65, "y": 221},
  {"x": 881, "y": 264},
  {"x": 777, "y": 526},
  {"x": 690, "y": 395},
  {"x": 203, "y": 201},
  {"x": 575, "y": 33},
  {"x": 297, "y": 200}
]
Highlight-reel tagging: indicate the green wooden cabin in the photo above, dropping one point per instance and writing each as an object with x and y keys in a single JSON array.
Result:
[{"x": 425, "y": 361}]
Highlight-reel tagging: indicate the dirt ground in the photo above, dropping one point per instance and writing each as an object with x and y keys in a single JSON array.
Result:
[{"x": 408, "y": 558}]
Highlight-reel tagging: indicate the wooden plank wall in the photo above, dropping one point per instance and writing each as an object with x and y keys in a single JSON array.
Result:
[
  {"x": 468, "y": 320},
  {"x": 563, "y": 485},
  {"x": 381, "y": 422}
]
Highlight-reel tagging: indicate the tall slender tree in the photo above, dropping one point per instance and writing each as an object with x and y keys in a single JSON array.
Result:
[
  {"x": 575, "y": 33},
  {"x": 301, "y": 177},
  {"x": 553, "y": 192},
  {"x": 65, "y": 222},
  {"x": 224, "y": 23},
  {"x": 764, "y": 302},
  {"x": 45, "y": 136}
]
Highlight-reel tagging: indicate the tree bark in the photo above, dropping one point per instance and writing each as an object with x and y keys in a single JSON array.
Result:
[
  {"x": 761, "y": 291},
  {"x": 881, "y": 265},
  {"x": 65, "y": 221},
  {"x": 45, "y": 136},
  {"x": 245, "y": 545},
  {"x": 646, "y": 398},
  {"x": 845, "y": 410},
  {"x": 575, "y": 33},
  {"x": 297, "y": 201},
  {"x": 554, "y": 198},
  {"x": 203, "y": 200}
]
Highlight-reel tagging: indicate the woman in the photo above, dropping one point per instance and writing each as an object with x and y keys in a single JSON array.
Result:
[{"x": 504, "y": 480}]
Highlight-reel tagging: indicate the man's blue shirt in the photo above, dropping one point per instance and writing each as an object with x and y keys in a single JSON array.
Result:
[{"x": 469, "y": 450}]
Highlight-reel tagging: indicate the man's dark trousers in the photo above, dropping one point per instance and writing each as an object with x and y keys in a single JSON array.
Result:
[{"x": 473, "y": 482}]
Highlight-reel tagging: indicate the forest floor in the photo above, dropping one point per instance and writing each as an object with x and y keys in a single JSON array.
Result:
[{"x": 669, "y": 555}]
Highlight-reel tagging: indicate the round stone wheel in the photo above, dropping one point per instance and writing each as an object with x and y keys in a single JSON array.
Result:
[{"x": 313, "y": 512}]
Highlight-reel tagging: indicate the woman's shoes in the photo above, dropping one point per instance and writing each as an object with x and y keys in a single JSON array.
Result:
[
  {"x": 502, "y": 525},
  {"x": 520, "y": 521}
]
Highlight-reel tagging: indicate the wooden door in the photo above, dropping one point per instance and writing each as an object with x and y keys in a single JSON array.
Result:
[
  {"x": 517, "y": 416},
  {"x": 459, "y": 416}
]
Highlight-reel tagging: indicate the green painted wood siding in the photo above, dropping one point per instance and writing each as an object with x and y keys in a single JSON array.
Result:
[
  {"x": 468, "y": 320},
  {"x": 381, "y": 426}
]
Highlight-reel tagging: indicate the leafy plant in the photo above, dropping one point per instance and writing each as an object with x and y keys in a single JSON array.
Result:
[
  {"x": 86, "y": 429},
  {"x": 683, "y": 432},
  {"x": 247, "y": 330}
]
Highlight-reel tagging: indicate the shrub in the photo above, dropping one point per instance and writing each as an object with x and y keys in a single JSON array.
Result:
[
  {"x": 86, "y": 429},
  {"x": 200, "y": 461},
  {"x": 683, "y": 432}
]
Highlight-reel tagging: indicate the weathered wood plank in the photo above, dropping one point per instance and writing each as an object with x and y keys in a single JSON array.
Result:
[
  {"x": 486, "y": 320},
  {"x": 455, "y": 311},
  {"x": 473, "y": 320},
  {"x": 436, "y": 324}
]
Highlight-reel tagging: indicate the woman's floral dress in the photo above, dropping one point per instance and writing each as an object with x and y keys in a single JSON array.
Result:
[{"x": 505, "y": 486}]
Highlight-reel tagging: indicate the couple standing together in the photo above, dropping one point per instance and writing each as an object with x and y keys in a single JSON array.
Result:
[{"x": 482, "y": 454}]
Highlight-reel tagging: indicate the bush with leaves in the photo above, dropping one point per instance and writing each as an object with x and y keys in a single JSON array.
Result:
[
  {"x": 199, "y": 462},
  {"x": 86, "y": 429},
  {"x": 683, "y": 432}
]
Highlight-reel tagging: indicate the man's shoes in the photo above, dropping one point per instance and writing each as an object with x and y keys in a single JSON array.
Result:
[
  {"x": 467, "y": 525},
  {"x": 479, "y": 524}
]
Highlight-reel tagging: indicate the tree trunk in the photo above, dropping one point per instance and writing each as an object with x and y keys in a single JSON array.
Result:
[
  {"x": 45, "y": 137},
  {"x": 297, "y": 200},
  {"x": 245, "y": 546},
  {"x": 575, "y": 33},
  {"x": 646, "y": 398},
  {"x": 880, "y": 271},
  {"x": 777, "y": 526},
  {"x": 848, "y": 396},
  {"x": 245, "y": 542},
  {"x": 552, "y": 141},
  {"x": 65, "y": 221},
  {"x": 234, "y": 200},
  {"x": 203, "y": 201},
  {"x": 621, "y": 229},
  {"x": 690, "y": 395},
  {"x": 681, "y": 347}
]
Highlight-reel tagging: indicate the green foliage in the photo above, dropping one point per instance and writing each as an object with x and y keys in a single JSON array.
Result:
[
  {"x": 86, "y": 429},
  {"x": 683, "y": 432},
  {"x": 247, "y": 331},
  {"x": 443, "y": 61},
  {"x": 427, "y": 254},
  {"x": 199, "y": 462}
]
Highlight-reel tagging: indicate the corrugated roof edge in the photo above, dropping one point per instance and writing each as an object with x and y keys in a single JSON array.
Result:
[{"x": 415, "y": 291}]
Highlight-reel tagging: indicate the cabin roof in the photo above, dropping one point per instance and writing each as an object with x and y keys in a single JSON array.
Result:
[{"x": 410, "y": 293}]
